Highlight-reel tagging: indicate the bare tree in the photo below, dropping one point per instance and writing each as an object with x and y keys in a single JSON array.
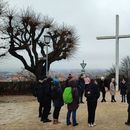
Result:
[
  {"x": 25, "y": 33},
  {"x": 125, "y": 66},
  {"x": 2, "y": 12},
  {"x": 111, "y": 72}
]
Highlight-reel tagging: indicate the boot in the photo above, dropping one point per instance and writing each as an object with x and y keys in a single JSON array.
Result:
[{"x": 55, "y": 121}]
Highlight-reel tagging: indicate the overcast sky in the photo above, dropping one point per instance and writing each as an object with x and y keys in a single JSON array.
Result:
[{"x": 91, "y": 18}]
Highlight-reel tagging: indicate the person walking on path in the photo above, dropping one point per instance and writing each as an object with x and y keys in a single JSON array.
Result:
[
  {"x": 113, "y": 90},
  {"x": 92, "y": 94},
  {"x": 123, "y": 87}
]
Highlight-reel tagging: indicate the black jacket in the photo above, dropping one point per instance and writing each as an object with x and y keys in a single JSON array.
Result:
[
  {"x": 92, "y": 92},
  {"x": 44, "y": 93},
  {"x": 123, "y": 88}
]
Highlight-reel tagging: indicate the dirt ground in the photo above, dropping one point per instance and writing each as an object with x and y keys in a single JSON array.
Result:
[{"x": 21, "y": 113}]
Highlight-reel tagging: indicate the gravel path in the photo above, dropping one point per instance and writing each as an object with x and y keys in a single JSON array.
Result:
[{"x": 21, "y": 113}]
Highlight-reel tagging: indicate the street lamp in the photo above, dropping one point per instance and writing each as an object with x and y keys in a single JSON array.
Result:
[{"x": 47, "y": 39}]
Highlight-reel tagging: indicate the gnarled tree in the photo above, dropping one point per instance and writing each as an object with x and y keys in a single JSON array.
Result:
[
  {"x": 2, "y": 11},
  {"x": 125, "y": 67},
  {"x": 25, "y": 33}
]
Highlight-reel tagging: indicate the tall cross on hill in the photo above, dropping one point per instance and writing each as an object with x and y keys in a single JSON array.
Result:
[{"x": 116, "y": 37}]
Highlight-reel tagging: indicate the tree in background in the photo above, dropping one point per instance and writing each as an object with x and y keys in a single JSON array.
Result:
[
  {"x": 125, "y": 67},
  {"x": 25, "y": 34},
  {"x": 111, "y": 72},
  {"x": 3, "y": 47}
]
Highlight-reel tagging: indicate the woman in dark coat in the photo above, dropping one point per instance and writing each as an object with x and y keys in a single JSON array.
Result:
[
  {"x": 57, "y": 99},
  {"x": 92, "y": 94},
  {"x": 72, "y": 107},
  {"x": 123, "y": 87},
  {"x": 45, "y": 99}
]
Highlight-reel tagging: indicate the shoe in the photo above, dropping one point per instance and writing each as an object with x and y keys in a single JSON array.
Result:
[
  {"x": 76, "y": 124},
  {"x": 89, "y": 125},
  {"x": 126, "y": 123},
  {"x": 46, "y": 120},
  {"x": 94, "y": 124},
  {"x": 69, "y": 124},
  {"x": 55, "y": 121}
]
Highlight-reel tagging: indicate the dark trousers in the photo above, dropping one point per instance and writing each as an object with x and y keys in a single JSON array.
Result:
[
  {"x": 40, "y": 109},
  {"x": 123, "y": 97},
  {"x": 81, "y": 96},
  {"x": 113, "y": 98},
  {"x": 128, "y": 114},
  {"x": 103, "y": 96},
  {"x": 91, "y": 111},
  {"x": 56, "y": 112},
  {"x": 45, "y": 113}
]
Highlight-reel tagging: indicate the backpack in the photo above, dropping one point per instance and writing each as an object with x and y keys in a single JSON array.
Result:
[{"x": 67, "y": 95}]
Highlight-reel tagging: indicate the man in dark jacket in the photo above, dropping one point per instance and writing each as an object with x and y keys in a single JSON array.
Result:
[
  {"x": 123, "y": 87},
  {"x": 128, "y": 101},
  {"x": 44, "y": 98}
]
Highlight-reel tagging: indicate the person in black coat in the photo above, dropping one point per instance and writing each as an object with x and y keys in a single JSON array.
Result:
[
  {"x": 57, "y": 99},
  {"x": 44, "y": 98},
  {"x": 39, "y": 94},
  {"x": 128, "y": 101},
  {"x": 102, "y": 89},
  {"x": 123, "y": 87},
  {"x": 92, "y": 94},
  {"x": 81, "y": 86}
]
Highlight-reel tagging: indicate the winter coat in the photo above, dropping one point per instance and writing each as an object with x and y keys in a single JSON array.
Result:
[
  {"x": 75, "y": 103},
  {"x": 92, "y": 92},
  {"x": 43, "y": 94},
  {"x": 112, "y": 89},
  {"x": 58, "y": 100},
  {"x": 123, "y": 88},
  {"x": 81, "y": 85}
]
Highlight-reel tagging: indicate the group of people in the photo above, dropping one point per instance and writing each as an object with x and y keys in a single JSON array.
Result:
[{"x": 50, "y": 90}]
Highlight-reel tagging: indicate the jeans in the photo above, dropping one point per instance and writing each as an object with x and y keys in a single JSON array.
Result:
[{"x": 68, "y": 122}]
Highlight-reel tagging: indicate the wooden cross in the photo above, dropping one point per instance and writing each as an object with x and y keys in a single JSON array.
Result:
[{"x": 116, "y": 37}]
